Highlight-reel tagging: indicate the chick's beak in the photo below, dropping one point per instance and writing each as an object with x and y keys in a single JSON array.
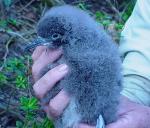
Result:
[{"x": 38, "y": 42}]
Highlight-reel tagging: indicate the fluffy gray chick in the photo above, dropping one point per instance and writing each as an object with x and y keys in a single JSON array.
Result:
[{"x": 94, "y": 80}]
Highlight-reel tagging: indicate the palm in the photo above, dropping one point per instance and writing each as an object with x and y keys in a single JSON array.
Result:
[{"x": 131, "y": 115}]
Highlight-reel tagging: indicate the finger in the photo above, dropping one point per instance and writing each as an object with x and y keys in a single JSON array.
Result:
[
  {"x": 85, "y": 126},
  {"x": 58, "y": 104},
  {"x": 42, "y": 86},
  {"x": 37, "y": 52},
  {"x": 45, "y": 58}
]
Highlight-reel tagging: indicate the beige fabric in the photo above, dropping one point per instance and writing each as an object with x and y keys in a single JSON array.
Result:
[{"x": 135, "y": 51}]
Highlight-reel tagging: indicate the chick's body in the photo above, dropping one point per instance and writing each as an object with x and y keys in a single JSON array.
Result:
[{"x": 94, "y": 79}]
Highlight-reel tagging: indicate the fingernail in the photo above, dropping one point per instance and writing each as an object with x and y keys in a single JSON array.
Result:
[{"x": 63, "y": 67}]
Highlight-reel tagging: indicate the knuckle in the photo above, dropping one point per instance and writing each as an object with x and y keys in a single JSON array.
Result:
[
  {"x": 54, "y": 112},
  {"x": 51, "y": 77},
  {"x": 42, "y": 86},
  {"x": 37, "y": 90}
]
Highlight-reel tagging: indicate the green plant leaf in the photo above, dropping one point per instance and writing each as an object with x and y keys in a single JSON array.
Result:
[
  {"x": 15, "y": 65},
  {"x": 3, "y": 23},
  {"x": 127, "y": 12},
  {"x": 106, "y": 22},
  {"x": 35, "y": 125},
  {"x": 3, "y": 79},
  {"x": 119, "y": 26},
  {"x": 19, "y": 124},
  {"x": 21, "y": 82},
  {"x": 12, "y": 21},
  {"x": 29, "y": 104},
  {"x": 82, "y": 6},
  {"x": 99, "y": 16},
  {"x": 7, "y": 3},
  {"x": 47, "y": 123}
]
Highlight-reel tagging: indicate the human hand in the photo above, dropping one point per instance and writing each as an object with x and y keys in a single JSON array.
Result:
[
  {"x": 131, "y": 115},
  {"x": 42, "y": 57}
]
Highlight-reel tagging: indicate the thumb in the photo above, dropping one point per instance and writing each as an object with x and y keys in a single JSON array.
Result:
[
  {"x": 130, "y": 120},
  {"x": 121, "y": 123},
  {"x": 85, "y": 126}
]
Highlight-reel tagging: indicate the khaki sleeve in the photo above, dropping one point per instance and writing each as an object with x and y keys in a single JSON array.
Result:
[{"x": 135, "y": 51}]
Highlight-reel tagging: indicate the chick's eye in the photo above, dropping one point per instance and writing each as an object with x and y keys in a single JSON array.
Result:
[{"x": 56, "y": 36}]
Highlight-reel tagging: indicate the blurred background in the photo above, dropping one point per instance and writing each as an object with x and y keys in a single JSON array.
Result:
[{"x": 18, "y": 18}]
